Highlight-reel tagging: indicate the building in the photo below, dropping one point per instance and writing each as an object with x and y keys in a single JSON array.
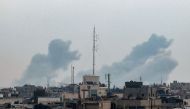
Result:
[
  {"x": 48, "y": 100},
  {"x": 136, "y": 90},
  {"x": 27, "y": 91},
  {"x": 67, "y": 95},
  {"x": 96, "y": 105},
  {"x": 145, "y": 104},
  {"x": 102, "y": 91},
  {"x": 8, "y": 93},
  {"x": 180, "y": 89},
  {"x": 139, "y": 96},
  {"x": 179, "y": 86},
  {"x": 91, "y": 87}
]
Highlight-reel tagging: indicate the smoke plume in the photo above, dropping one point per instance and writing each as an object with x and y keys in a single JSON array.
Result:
[
  {"x": 44, "y": 66},
  {"x": 151, "y": 60}
]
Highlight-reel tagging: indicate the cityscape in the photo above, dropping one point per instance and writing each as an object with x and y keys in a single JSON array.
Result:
[
  {"x": 92, "y": 94},
  {"x": 94, "y": 54}
]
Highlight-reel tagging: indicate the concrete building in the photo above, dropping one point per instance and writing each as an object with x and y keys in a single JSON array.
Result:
[
  {"x": 10, "y": 100},
  {"x": 27, "y": 91},
  {"x": 136, "y": 90},
  {"x": 67, "y": 95},
  {"x": 8, "y": 92},
  {"x": 139, "y": 96},
  {"x": 90, "y": 87},
  {"x": 102, "y": 91},
  {"x": 96, "y": 105},
  {"x": 180, "y": 89},
  {"x": 179, "y": 86},
  {"x": 48, "y": 100},
  {"x": 145, "y": 104}
]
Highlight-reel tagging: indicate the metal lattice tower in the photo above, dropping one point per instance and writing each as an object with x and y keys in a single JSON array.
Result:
[{"x": 94, "y": 49}]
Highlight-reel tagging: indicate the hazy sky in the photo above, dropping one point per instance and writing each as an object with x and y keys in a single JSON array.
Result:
[{"x": 27, "y": 27}]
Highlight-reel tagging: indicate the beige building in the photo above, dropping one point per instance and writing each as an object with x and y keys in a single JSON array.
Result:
[
  {"x": 136, "y": 90},
  {"x": 96, "y": 105},
  {"x": 144, "y": 104},
  {"x": 102, "y": 91},
  {"x": 90, "y": 87},
  {"x": 48, "y": 100},
  {"x": 67, "y": 95},
  {"x": 10, "y": 100}
]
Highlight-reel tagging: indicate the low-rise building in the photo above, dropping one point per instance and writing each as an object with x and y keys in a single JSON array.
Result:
[
  {"x": 145, "y": 104},
  {"x": 48, "y": 100},
  {"x": 27, "y": 91},
  {"x": 67, "y": 95},
  {"x": 180, "y": 89},
  {"x": 8, "y": 93},
  {"x": 136, "y": 90},
  {"x": 91, "y": 87}
]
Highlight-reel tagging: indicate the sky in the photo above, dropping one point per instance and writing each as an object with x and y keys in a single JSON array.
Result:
[{"x": 28, "y": 26}]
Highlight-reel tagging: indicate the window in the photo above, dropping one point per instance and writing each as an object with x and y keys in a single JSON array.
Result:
[{"x": 142, "y": 95}]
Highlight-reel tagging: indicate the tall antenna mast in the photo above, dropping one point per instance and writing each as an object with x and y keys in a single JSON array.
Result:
[{"x": 94, "y": 49}]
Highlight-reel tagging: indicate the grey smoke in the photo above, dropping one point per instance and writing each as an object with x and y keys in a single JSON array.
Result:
[
  {"x": 151, "y": 60},
  {"x": 44, "y": 66}
]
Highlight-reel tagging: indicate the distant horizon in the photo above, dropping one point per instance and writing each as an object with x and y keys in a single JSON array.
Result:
[{"x": 112, "y": 85}]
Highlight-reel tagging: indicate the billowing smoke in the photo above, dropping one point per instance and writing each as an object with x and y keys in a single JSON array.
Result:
[
  {"x": 151, "y": 60},
  {"x": 44, "y": 66}
]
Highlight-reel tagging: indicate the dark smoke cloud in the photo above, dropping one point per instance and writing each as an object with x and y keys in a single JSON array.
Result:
[
  {"x": 151, "y": 60},
  {"x": 44, "y": 66}
]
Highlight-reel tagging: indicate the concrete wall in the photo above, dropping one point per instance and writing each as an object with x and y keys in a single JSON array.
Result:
[
  {"x": 91, "y": 78},
  {"x": 119, "y": 95},
  {"x": 70, "y": 95},
  {"x": 143, "y": 92},
  {"x": 102, "y": 91},
  {"x": 143, "y": 104},
  {"x": 97, "y": 104},
  {"x": 10, "y": 100},
  {"x": 105, "y": 105},
  {"x": 91, "y": 106},
  {"x": 187, "y": 101},
  {"x": 87, "y": 89},
  {"x": 46, "y": 100}
]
